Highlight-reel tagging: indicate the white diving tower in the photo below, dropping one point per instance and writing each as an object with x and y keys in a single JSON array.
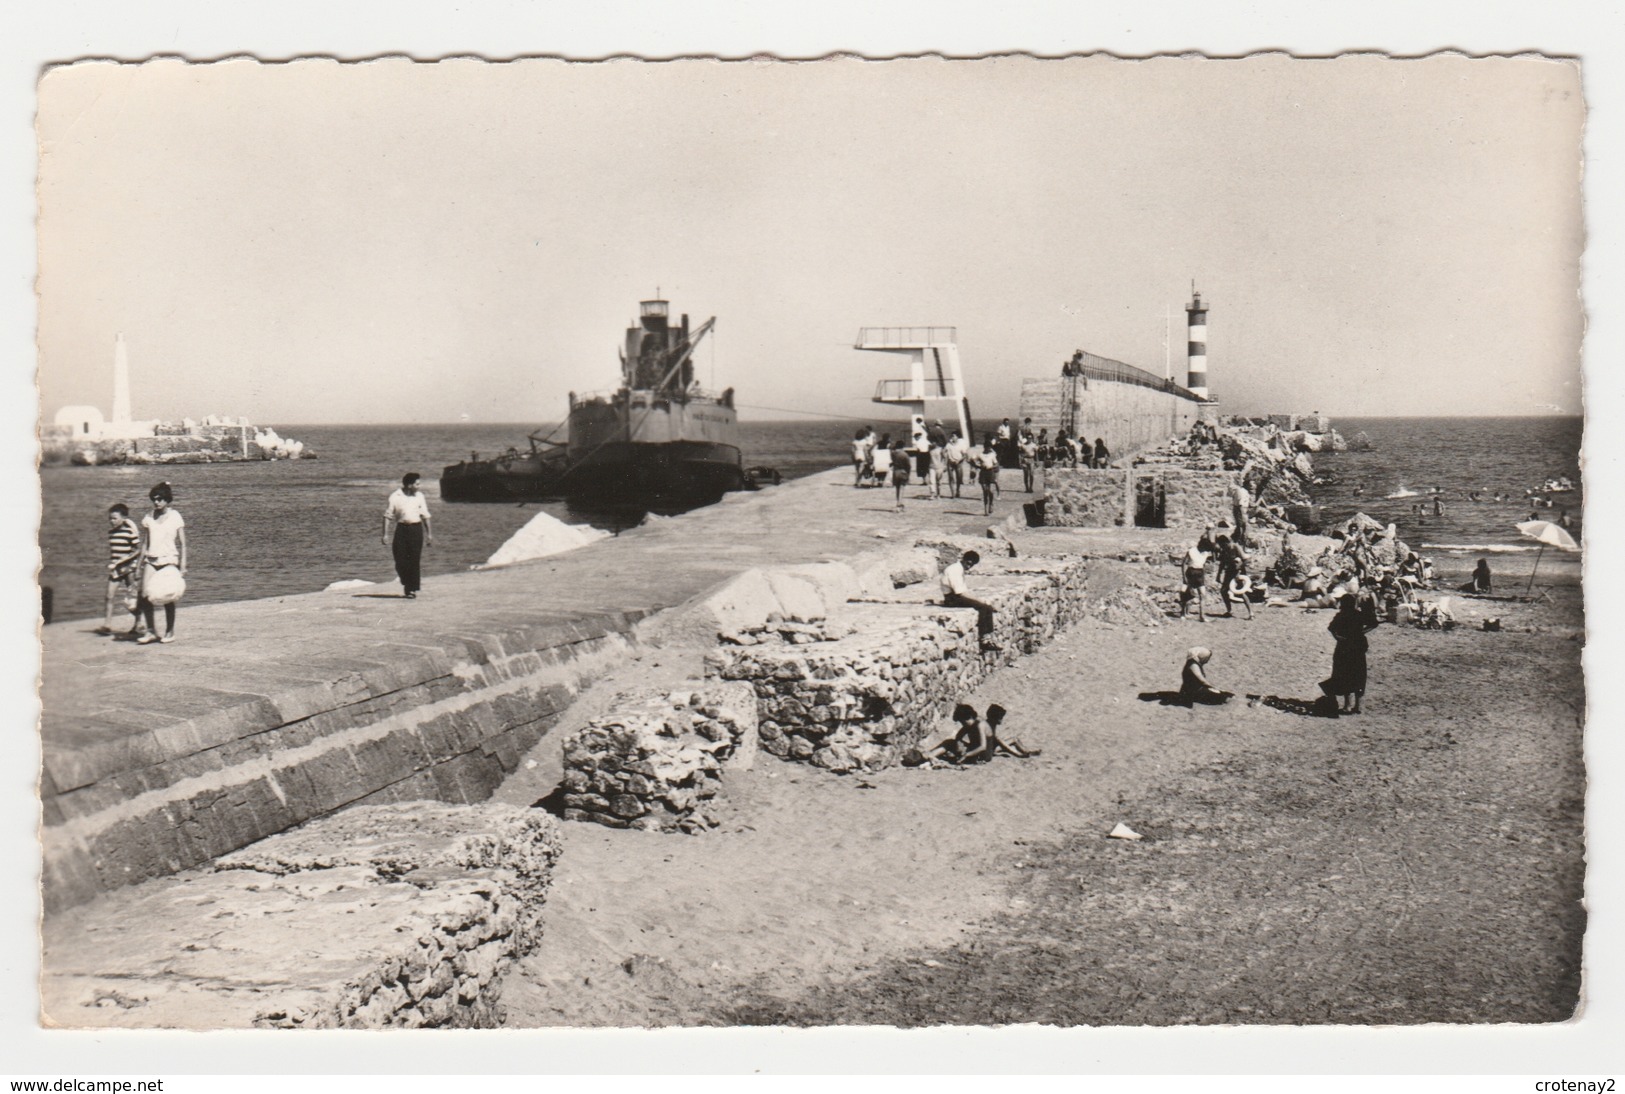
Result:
[{"x": 935, "y": 387}]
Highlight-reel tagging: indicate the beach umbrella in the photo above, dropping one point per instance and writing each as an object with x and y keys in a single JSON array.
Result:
[{"x": 1547, "y": 534}]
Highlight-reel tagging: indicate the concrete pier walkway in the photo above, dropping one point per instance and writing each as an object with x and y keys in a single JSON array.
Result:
[{"x": 265, "y": 713}]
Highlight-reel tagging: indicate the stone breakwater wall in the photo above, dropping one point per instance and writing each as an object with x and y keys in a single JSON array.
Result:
[
  {"x": 1126, "y": 416},
  {"x": 201, "y": 444},
  {"x": 860, "y": 701},
  {"x": 443, "y": 724},
  {"x": 395, "y": 916},
  {"x": 657, "y": 764}
]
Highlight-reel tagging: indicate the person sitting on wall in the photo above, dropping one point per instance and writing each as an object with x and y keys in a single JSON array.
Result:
[
  {"x": 955, "y": 595},
  {"x": 997, "y": 744},
  {"x": 1102, "y": 456}
]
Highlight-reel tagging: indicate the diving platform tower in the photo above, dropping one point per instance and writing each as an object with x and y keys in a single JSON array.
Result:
[{"x": 935, "y": 387}]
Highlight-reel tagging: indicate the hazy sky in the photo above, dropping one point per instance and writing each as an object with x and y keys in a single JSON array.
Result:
[{"x": 317, "y": 242}]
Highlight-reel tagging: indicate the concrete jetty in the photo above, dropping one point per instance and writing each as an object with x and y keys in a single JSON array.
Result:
[{"x": 268, "y": 713}]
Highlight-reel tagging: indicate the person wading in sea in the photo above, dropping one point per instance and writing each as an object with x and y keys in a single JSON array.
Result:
[{"x": 407, "y": 532}]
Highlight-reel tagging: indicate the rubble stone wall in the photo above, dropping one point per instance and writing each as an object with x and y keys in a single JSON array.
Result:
[
  {"x": 378, "y": 917},
  {"x": 656, "y": 763},
  {"x": 1086, "y": 498},
  {"x": 1195, "y": 499},
  {"x": 860, "y": 701}
]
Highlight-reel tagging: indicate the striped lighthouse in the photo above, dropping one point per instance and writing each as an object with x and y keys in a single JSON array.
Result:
[{"x": 1196, "y": 347}]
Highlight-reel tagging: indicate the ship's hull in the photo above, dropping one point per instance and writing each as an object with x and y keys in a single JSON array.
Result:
[
  {"x": 680, "y": 456},
  {"x": 678, "y": 474},
  {"x": 672, "y": 475},
  {"x": 525, "y": 478}
]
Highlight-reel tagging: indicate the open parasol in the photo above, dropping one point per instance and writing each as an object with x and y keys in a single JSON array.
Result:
[{"x": 1547, "y": 534}]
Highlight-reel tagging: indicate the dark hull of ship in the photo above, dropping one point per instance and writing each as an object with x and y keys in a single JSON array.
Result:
[
  {"x": 676, "y": 474},
  {"x": 527, "y": 478},
  {"x": 672, "y": 475}
]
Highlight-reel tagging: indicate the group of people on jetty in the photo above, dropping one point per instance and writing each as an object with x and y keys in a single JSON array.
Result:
[
  {"x": 945, "y": 460},
  {"x": 147, "y": 562}
]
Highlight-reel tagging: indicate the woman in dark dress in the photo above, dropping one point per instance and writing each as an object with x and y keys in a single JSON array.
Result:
[
  {"x": 1193, "y": 682},
  {"x": 1350, "y": 626}
]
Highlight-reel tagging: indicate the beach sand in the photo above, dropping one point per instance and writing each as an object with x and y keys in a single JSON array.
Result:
[{"x": 1422, "y": 862}]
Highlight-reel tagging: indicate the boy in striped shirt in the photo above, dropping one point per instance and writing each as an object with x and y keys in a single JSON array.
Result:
[{"x": 123, "y": 551}]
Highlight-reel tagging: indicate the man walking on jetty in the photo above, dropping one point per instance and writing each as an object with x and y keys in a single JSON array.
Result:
[
  {"x": 957, "y": 452},
  {"x": 406, "y": 531},
  {"x": 955, "y": 595}
]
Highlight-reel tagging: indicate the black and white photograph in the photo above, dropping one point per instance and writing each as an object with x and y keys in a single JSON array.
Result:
[{"x": 1069, "y": 541}]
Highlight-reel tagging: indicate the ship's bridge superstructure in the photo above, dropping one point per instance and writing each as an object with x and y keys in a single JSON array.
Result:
[{"x": 935, "y": 386}]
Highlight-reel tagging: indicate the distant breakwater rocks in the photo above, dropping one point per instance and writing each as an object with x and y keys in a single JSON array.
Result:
[{"x": 180, "y": 444}]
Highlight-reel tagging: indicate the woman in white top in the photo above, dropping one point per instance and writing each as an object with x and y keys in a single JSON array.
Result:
[
  {"x": 163, "y": 546},
  {"x": 406, "y": 531}
]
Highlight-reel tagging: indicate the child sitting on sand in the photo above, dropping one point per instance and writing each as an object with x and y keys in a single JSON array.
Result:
[
  {"x": 997, "y": 744},
  {"x": 969, "y": 745}
]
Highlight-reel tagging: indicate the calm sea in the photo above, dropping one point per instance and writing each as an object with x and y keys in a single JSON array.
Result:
[
  {"x": 1490, "y": 456},
  {"x": 272, "y": 529}
]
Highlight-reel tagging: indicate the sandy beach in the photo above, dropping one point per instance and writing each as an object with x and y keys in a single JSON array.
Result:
[{"x": 1422, "y": 862}]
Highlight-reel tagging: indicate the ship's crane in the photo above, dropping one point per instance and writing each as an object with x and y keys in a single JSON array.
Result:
[{"x": 684, "y": 354}]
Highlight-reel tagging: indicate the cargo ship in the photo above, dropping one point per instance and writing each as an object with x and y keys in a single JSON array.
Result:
[{"x": 659, "y": 441}]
